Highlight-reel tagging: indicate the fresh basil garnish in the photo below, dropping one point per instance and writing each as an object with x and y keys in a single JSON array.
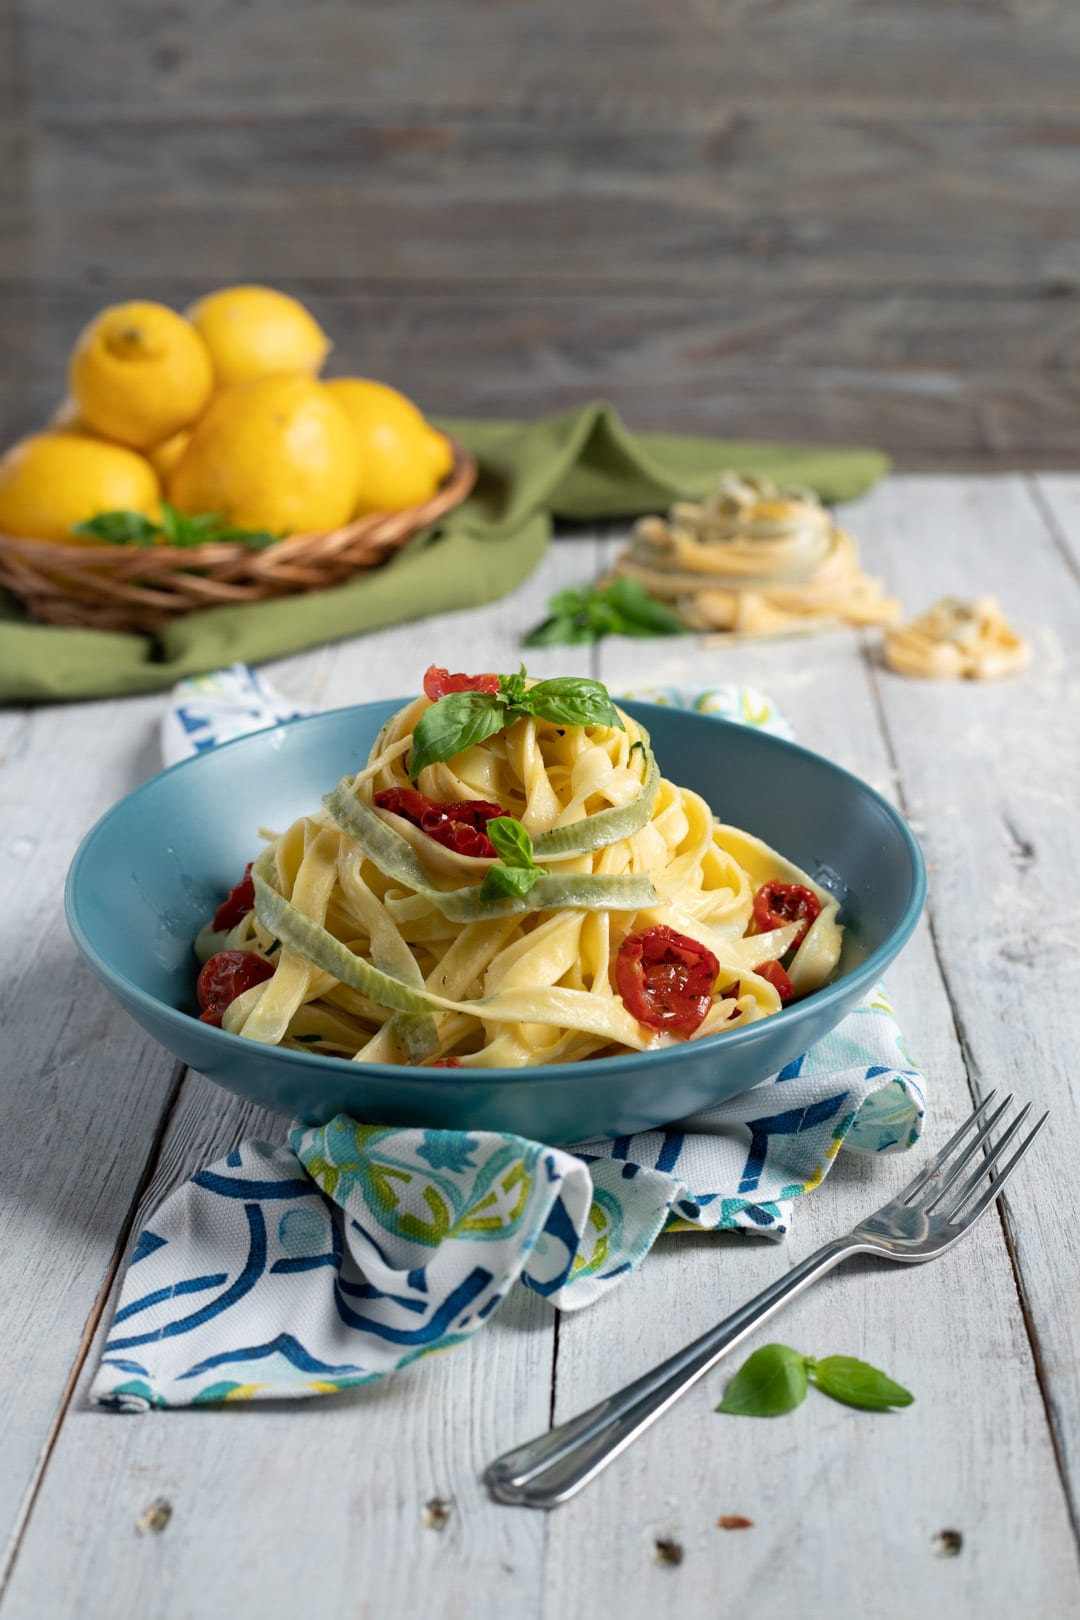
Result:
[
  {"x": 462, "y": 719},
  {"x": 623, "y": 608},
  {"x": 775, "y": 1379},
  {"x": 856, "y": 1383},
  {"x": 500, "y": 881},
  {"x": 569, "y": 701},
  {"x": 512, "y": 842},
  {"x": 514, "y": 848},
  {"x": 119, "y": 528},
  {"x": 174, "y": 528},
  {"x": 456, "y": 722},
  {"x": 771, "y": 1381}
]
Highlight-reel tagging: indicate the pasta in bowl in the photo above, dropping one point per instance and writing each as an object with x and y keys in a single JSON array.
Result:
[
  {"x": 510, "y": 881},
  {"x": 151, "y": 875}
]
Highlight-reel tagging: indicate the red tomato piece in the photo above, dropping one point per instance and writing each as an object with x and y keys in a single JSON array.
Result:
[
  {"x": 439, "y": 683},
  {"x": 445, "y": 1063},
  {"x": 666, "y": 979},
  {"x": 408, "y": 802},
  {"x": 778, "y": 903},
  {"x": 237, "y": 903},
  {"x": 460, "y": 827},
  {"x": 777, "y": 978},
  {"x": 224, "y": 977}
]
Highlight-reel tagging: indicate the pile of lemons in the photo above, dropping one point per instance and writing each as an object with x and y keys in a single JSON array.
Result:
[{"x": 218, "y": 410}]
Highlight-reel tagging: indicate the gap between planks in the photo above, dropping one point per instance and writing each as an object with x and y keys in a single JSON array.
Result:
[
  {"x": 93, "y": 1320},
  {"x": 976, "y": 1088},
  {"x": 1053, "y": 527}
]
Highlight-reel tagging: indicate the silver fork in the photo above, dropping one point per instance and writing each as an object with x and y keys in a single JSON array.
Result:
[{"x": 928, "y": 1217}]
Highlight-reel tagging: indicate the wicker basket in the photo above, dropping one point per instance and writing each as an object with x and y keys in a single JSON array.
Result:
[{"x": 102, "y": 587}]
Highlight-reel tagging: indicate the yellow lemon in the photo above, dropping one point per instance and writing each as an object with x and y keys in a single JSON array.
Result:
[
  {"x": 139, "y": 372},
  {"x": 440, "y": 452},
  {"x": 275, "y": 453},
  {"x": 257, "y": 332},
  {"x": 166, "y": 457},
  {"x": 67, "y": 418},
  {"x": 392, "y": 440},
  {"x": 52, "y": 481}
]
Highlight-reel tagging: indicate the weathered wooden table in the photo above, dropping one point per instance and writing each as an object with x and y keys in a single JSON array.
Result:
[{"x": 318, "y": 1508}]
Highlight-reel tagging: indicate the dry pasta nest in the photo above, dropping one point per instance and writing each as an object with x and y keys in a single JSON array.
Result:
[{"x": 754, "y": 558}]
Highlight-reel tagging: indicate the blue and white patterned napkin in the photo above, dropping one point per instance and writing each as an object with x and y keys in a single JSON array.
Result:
[{"x": 357, "y": 1249}]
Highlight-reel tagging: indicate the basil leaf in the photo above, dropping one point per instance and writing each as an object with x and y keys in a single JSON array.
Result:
[
  {"x": 569, "y": 700},
  {"x": 856, "y": 1383},
  {"x": 569, "y": 601},
  {"x": 512, "y": 688},
  {"x": 120, "y": 528},
  {"x": 257, "y": 539},
  {"x": 199, "y": 528},
  {"x": 623, "y": 608},
  {"x": 504, "y": 880},
  {"x": 512, "y": 843},
  {"x": 560, "y": 630},
  {"x": 454, "y": 723},
  {"x": 771, "y": 1381},
  {"x": 641, "y": 613}
]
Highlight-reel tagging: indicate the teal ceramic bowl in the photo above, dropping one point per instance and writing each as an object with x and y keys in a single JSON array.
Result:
[{"x": 153, "y": 869}]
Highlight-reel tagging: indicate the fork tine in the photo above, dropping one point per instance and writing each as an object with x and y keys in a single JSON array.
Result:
[
  {"x": 982, "y": 1170},
  {"x": 939, "y": 1159},
  {"x": 1002, "y": 1176},
  {"x": 972, "y": 1148}
]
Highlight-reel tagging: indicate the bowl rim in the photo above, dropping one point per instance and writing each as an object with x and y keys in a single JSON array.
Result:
[{"x": 861, "y": 978}]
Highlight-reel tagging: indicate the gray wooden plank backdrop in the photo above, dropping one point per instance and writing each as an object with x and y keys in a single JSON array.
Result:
[
  {"x": 272, "y": 1505},
  {"x": 844, "y": 219}
]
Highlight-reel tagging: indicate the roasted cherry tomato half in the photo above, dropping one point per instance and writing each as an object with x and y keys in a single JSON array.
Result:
[
  {"x": 445, "y": 1063},
  {"x": 666, "y": 979},
  {"x": 237, "y": 903},
  {"x": 777, "y": 978},
  {"x": 460, "y": 827},
  {"x": 224, "y": 977},
  {"x": 439, "y": 683},
  {"x": 778, "y": 903}
]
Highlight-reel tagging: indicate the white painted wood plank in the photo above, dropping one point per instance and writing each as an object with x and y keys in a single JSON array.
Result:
[
  {"x": 845, "y": 1505},
  {"x": 993, "y": 770},
  {"x": 82, "y": 1089},
  {"x": 346, "y": 1499},
  {"x": 1058, "y": 497},
  {"x": 336, "y": 1486}
]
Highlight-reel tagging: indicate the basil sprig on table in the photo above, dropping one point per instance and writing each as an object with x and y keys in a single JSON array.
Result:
[
  {"x": 623, "y": 608},
  {"x": 183, "y": 529},
  {"x": 514, "y": 847},
  {"x": 462, "y": 719},
  {"x": 775, "y": 1379}
]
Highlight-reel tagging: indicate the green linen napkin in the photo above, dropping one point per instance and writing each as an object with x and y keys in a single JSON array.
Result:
[{"x": 583, "y": 465}]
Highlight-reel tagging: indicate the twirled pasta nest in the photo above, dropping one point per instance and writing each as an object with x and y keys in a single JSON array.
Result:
[
  {"x": 756, "y": 559},
  {"x": 957, "y": 640}
]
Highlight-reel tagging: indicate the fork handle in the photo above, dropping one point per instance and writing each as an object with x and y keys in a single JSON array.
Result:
[{"x": 555, "y": 1466}]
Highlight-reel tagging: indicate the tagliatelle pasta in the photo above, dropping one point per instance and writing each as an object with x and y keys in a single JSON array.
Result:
[
  {"x": 608, "y": 909},
  {"x": 755, "y": 559},
  {"x": 957, "y": 640}
]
